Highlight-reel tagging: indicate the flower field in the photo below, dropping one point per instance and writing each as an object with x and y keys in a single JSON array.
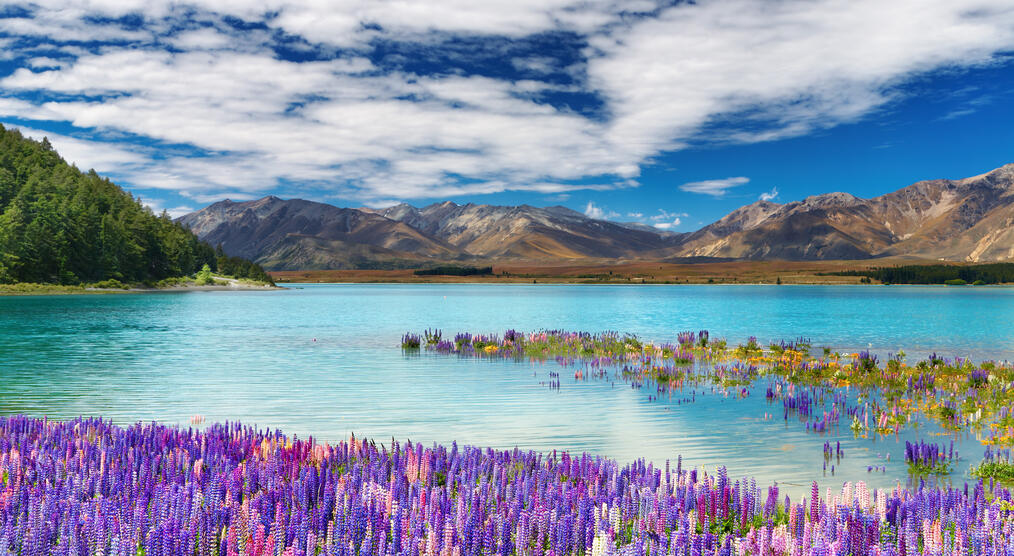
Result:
[{"x": 89, "y": 487}]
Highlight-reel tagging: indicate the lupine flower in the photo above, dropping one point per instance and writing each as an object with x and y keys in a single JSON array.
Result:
[
  {"x": 89, "y": 487},
  {"x": 923, "y": 457}
]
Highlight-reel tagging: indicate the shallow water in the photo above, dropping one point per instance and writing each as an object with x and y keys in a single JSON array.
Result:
[{"x": 324, "y": 360}]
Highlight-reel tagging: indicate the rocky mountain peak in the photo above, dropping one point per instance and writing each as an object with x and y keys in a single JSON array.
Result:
[
  {"x": 837, "y": 199},
  {"x": 966, "y": 219}
]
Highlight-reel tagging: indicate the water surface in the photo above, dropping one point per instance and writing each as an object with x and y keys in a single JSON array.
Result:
[{"x": 324, "y": 360}]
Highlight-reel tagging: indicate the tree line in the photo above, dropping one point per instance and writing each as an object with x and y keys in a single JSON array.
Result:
[
  {"x": 989, "y": 273},
  {"x": 59, "y": 225}
]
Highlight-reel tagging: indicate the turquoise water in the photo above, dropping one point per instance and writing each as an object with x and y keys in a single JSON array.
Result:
[{"x": 324, "y": 360}]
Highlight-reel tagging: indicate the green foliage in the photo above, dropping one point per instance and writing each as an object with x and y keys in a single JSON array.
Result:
[
  {"x": 204, "y": 277},
  {"x": 923, "y": 469},
  {"x": 751, "y": 348},
  {"x": 1000, "y": 471},
  {"x": 953, "y": 274},
  {"x": 28, "y": 288},
  {"x": 171, "y": 282},
  {"x": 238, "y": 267},
  {"x": 59, "y": 225},
  {"x": 110, "y": 284}
]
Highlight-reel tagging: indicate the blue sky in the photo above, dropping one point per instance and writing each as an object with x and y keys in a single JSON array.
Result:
[{"x": 671, "y": 114}]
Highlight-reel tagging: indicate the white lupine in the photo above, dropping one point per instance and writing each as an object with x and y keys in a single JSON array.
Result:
[
  {"x": 882, "y": 505},
  {"x": 601, "y": 546},
  {"x": 862, "y": 495}
]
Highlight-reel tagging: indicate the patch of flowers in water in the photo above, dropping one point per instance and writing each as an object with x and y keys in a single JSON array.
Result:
[
  {"x": 547, "y": 344},
  {"x": 832, "y": 455},
  {"x": 88, "y": 487},
  {"x": 997, "y": 465},
  {"x": 809, "y": 402},
  {"x": 928, "y": 458},
  {"x": 410, "y": 341},
  {"x": 879, "y": 398}
]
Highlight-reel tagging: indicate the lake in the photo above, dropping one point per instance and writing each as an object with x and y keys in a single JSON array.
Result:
[{"x": 325, "y": 360}]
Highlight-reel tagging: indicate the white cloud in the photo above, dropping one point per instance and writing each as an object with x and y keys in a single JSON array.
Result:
[
  {"x": 598, "y": 213},
  {"x": 779, "y": 68},
  {"x": 341, "y": 23},
  {"x": 968, "y": 107},
  {"x": 592, "y": 211},
  {"x": 221, "y": 195},
  {"x": 43, "y": 62},
  {"x": 541, "y": 64},
  {"x": 202, "y": 39},
  {"x": 663, "y": 219},
  {"x": 381, "y": 203},
  {"x": 174, "y": 212},
  {"x": 66, "y": 23},
  {"x": 666, "y": 215},
  {"x": 730, "y": 70},
  {"x": 715, "y": 188},
  {"x": 668, "y": 225},
  {"x": 769, "y": 195}
]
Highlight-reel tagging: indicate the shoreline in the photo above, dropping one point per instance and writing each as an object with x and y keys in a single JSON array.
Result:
[
  {"x": 29, "y": 289},
  {"x": 286, "y": 285},
  {"x": 58, "y": 290},
  {"x": 600, "y": 272}
]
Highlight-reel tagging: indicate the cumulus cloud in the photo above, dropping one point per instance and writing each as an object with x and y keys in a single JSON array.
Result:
[
  {"x": 715, "y": 188},
  {"x": 234, "y": 115}
]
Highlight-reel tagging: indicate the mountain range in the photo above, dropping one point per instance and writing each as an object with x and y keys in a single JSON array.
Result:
[{"x": 969, "y": 219}]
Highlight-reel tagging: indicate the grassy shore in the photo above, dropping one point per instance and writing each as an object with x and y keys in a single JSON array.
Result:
[
  {"x": 222, "y": 283},
  {"x": 624, "y": 272}
]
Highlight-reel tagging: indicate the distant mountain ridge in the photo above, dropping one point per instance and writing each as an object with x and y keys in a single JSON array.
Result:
[
  {"x": 526, "y": 232},
  {"x": 970, "y": 219},
  {"x": 305, "y": 234}
]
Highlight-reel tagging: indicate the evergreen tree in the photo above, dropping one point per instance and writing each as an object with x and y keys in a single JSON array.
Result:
[{"x": 61, "y": 225}]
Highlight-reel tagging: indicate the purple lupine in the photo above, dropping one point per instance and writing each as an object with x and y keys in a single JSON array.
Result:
[
  {"x": 929, "y": 457},
  {"x": 233, "y": 489}
]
